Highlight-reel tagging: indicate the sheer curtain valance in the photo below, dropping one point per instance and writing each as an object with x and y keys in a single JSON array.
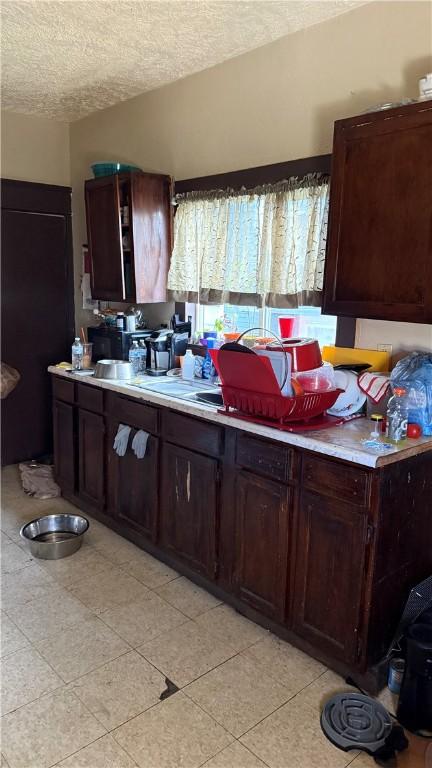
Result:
[{"x": 251, "y": 247}]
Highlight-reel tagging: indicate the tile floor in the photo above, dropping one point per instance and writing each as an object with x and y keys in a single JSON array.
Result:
[{"x": 86, "y": 644}]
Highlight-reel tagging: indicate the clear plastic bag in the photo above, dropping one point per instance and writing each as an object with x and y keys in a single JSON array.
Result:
[{"x": 415, "y": 374}]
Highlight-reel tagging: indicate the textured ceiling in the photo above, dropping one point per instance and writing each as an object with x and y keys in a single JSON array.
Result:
[{"x": 67, "y": 58}]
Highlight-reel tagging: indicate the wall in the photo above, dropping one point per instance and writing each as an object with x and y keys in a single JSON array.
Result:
[
  {"x": 34, "y": 149},
  {"x": 275, "y": 103}
]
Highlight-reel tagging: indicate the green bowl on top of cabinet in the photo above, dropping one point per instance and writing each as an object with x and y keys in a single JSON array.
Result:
[
  {"x": 129, "y": 236},
  {"x": 107, "y": 169},
  {"x": 379, "y": 245}
]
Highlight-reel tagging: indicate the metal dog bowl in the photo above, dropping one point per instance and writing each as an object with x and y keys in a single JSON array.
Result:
[
  {"x": 54, "y": 536},
  {"x": 114, "y": 369}
]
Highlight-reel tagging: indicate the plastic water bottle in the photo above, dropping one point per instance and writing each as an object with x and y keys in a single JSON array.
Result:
[
  {"x": 143, "y": 356},
  {"x": 397, "y": 416},
  {"x": 77, "y": 354},
  {"x": 188, "y": 365},
  {"x": 135, "y": 357}
]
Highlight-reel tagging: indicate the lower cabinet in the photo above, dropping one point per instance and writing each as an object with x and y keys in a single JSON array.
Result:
[
  {"x": 91, "y": 447},
  {"x": 64, "y": 445},
  {"x": 132, "y": 484},
  {"x": 262, "y": 509},
  {"x": 188, "y": 507},
  {"x": 330, "y": 575}
]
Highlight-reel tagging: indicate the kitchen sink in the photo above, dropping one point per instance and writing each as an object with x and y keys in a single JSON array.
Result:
[{"x": 208, "y": 394}]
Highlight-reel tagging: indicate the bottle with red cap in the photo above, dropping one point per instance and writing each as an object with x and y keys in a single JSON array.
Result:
[{"x": 397, "y": 416}]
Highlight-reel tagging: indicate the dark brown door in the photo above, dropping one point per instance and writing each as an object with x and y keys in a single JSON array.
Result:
[
  {"x": 188, "y": 507},
  {"x": 133, "y": 484},
  {"x": 262, "y": 520},
  {"x": 91, "y": 430},
  {"x": 37, "y": 309},
  {"x": 104, "y": 238},
  {"x": 379, "y": 249},
  {"x": 151, "y": 228},
  {"x": 330, "y": 562},
  {"x": 64, "y": 445}
]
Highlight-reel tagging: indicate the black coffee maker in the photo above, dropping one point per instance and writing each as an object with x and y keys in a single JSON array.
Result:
[{"x": 159, "y": 352}]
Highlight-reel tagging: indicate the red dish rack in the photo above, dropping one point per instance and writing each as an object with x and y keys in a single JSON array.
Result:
[{"x": 249, "y": 386}]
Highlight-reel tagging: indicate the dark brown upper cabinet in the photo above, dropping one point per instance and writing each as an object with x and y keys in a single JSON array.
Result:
[
  {"x": 379, "y": 246},
  {"x": 129, "y": 236}
]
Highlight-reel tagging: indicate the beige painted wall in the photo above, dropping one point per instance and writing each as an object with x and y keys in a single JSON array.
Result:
[
  {"x": 34, "y": 149},
  {"x": 276, "y": 103}
]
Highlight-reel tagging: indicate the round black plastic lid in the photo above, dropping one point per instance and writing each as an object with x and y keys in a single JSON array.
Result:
[{"x": 355, "y": 721}]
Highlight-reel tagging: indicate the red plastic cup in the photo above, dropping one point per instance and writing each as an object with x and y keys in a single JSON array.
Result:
[{"x": 286, "y": 327}]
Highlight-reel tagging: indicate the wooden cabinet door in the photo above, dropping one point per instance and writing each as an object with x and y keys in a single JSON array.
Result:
[
  {"x": 330, "y": 573},
  {"x": 104, "y": 238},
  {"x": 188, "y": 507},
  {"x": 132, "y": 484},
  {"x": 151, "y": 212},
  {"x": 91, "y": 431},
  {"x": 262, "y": 523},
  {"x": 379, "y": 248},
  {"x": 64, "y": 445}
]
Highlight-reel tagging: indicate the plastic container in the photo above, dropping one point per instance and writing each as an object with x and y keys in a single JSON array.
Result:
[
  {"x": 77, "y": 354},
  {"x": 397, "y": 416},
  {"x": 286, "y": 327},
  {"x": 318, "y": 379},
  {"x": 121, "y": 321},
  {"x": 130, "y": 323},
  {"x": 188, "y": 366}
]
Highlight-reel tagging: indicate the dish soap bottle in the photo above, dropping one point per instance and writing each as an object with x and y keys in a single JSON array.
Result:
[
  {"x": 397, "y": 416},
  {"x": 77, "y": 354}
]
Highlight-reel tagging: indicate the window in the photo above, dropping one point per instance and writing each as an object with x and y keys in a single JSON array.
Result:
[
  {"x": 308, "y": 321},
  {"x": 263, "y": 246}
]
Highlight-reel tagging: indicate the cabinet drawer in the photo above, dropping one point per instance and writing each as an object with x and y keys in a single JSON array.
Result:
[
  {"x": 90, "y": 398},
  {"x": 265, "y": 458},
  {"x": 63, "y": 390},
  {"x": 133, "y": 413},
  {"x": 338, "y": 480},
  {"x": 193, "y": 433}
]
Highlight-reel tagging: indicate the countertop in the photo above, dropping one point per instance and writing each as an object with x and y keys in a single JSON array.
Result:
[{"x": 342, "y": 441}]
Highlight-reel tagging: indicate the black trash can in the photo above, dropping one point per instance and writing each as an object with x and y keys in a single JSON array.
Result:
[{"x": 415, "y": 702}]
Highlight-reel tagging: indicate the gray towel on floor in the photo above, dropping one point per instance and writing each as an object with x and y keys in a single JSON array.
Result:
[
  {"x": 139, "y": 443},
  {"x": 121, "y": 439}
]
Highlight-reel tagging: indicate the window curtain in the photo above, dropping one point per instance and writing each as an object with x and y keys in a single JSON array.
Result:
[{"x": 251, "y": 247}]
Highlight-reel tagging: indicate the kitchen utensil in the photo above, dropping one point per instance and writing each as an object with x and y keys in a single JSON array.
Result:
[
  {"x": 280, "y": 364},
  {"x": 109, "y": 168},
  {"x": 378, "y": 361},
  {"x": 351, "y": 398},
  {"x": 114, "y": 369},
  {"x": 54, "y": 536},
  {"x": 318, "y": 379},
  {"x": 357, "y": 367},
  {"x": 305, "y": 353},
  {"x": 250, "y": 386}
]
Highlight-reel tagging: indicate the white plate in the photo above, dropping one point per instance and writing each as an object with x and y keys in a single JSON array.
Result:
[{"x": 352, "y": 399}]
